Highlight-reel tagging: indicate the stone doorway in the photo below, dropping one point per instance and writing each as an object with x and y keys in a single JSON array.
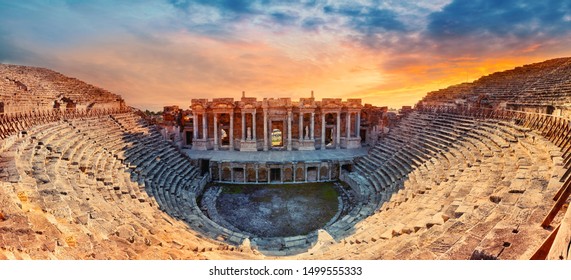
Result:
[
  {"x": 277, "y": 135},
  {"x": 550, "y": 110},
  {"x": 224, "y": 137},
  {"x": 312, "y": 174},
  {"x": 275, "y": 175},
  {"x": 329, "y": 132},
  {"x": 204, "y": 166},
  {"x": 238, "y": 174},
  {"x": 188, "y": 137}
]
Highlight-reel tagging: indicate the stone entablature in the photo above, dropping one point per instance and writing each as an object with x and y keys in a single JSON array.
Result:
[
  {"x": 277, "y": 172},
  {"x": 249, "y": 124}
]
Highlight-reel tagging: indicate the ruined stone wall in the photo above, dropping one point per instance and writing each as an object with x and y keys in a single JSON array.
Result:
[{"x": 26, "y": 89}]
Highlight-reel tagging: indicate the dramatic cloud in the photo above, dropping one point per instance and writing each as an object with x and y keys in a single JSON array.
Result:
[
  {"x": 156, "y": 53},
  {"x": 484, "y": 27}
]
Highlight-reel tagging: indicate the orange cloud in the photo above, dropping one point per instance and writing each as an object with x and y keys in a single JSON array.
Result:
[{"x": 181, "y": 66}]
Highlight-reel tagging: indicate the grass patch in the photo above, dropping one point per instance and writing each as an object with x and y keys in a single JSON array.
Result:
[{"x": 278, "y": 209}]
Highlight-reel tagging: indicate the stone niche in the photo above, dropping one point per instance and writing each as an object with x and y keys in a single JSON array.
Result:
[
  {"x": 312, "y": 173},
  {"x": 214, "y": 173},
  {"x": 324, "y": 173},
  {"x": 239, "y": 174},
  {"x": 262, "y": 174},
  {"x": 288, "y": 174},
  {"x": 299, "y": 173},
  {"x": 306, "y": 145},
  {"x": 226, "y": 174},
  {"x": 251, "y": 173}
]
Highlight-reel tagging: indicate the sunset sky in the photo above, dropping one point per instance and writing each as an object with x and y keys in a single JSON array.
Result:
[{"x": 157, "y": 53}]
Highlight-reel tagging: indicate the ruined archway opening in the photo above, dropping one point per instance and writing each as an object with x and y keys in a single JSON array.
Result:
[
  {"x": 277, "y": 138},
  {"x": 224, "y": 137},
  {"x": 330, "y": 126}
]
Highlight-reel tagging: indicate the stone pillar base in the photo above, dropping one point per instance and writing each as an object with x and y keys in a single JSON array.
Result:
[
  {"x": 200, "y": 144},
  {"x": 248, "y": 146},
  {"x": 306, "y": 145},
  {"x": 352, "y": 143}
]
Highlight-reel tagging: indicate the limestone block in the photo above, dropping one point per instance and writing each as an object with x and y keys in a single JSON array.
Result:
[
  {"x": 462, "y": 209},
  {"x": 387, "y": 234}
]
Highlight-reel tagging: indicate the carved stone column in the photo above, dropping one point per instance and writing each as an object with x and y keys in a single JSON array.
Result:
[
  {"x": 358, "y": 129},
  {"x": 216, "y": 131},
  {"x": 294, "y": 168},
  {"x": 289, "y": 130},
  {"x": 322, "y": 131},
  {"x": 243, "y": 126},
  {"x": 231, "y": 134},
  {"x": 257, "y": 168},
  {"x": 219, "y": 172},
  {"x": 305, "y": 171},
  {"x": 348, "y": 125},
  {"x": 194, "y": 125},
  {"x": 254, "y": 126},
  {"x": 204, "y": 127},
  {"x": 265, "y": 130},
  {"x": 338, "y": 133},
  {"x": 300, "y": 126},
  {"x": 231, "y": 172},
  {"x": 312, "y": 126}
]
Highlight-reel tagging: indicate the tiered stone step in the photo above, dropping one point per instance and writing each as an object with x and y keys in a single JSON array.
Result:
[{"x": 495, "y": 199}]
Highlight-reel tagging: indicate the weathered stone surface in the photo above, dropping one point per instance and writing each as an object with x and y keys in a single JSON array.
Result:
[{"x": 442, "y": 184}]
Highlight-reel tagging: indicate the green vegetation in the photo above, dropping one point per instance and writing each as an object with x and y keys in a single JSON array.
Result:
[
  {"x": 278, "y": 209},
  {"x": 322, "y": 188}
]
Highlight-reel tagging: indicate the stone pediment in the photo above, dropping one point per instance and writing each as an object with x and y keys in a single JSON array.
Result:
[
  {"x": 197, "y": 107},
  {"x": 307, "y": 103},
  {"x": 331, "y": 103},
  {"x": 353, "y": 103},
  {"x": 199, "y": 104},
  {"x": 248, "y": 100},
  {"x": 222, "y": 103},
  {"x": 354, "y": 106},
  {"x": 281, "y": 102},
  {"x": 221, "y": 106},
  {"x": 331, "y": 106}
]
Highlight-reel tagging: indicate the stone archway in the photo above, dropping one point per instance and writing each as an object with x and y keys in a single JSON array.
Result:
[
  {"x": 251, "y": 174},
  {"x": 288, "y": 174},
  {"x": 299, "y": 174},
  {"x": 277, "y": 138},
  {"x": 226, "y": 174},
  {"x": 262, "y": 174},
  {"x": 224, "y": 137},
  {"x": 324, "y": 173}
]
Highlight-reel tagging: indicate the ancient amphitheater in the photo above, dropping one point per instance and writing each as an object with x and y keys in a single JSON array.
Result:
[{"x": 475, "y": 171}]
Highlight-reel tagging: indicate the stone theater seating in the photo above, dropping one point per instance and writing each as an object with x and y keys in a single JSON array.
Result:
[
  {"x": 99, "y": 181},
  {"x": 459, "y": 187},
  {"x": 448, "y": 182}
]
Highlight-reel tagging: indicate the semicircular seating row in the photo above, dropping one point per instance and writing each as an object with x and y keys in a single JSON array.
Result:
[
  {"x": 438, "y": 186},
  {"x": 545, "y": 83},
  {"x": 82, "y": 182},
  {"x": 445, "y": 186}
]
